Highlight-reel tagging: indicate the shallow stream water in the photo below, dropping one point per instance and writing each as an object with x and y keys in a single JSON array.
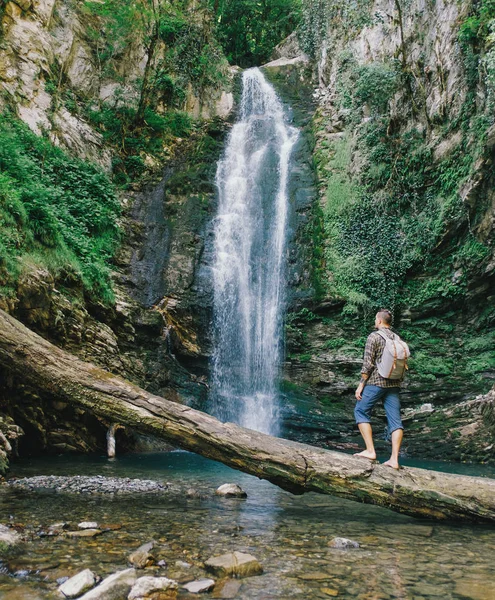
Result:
[{"x": 399, "y": 557}]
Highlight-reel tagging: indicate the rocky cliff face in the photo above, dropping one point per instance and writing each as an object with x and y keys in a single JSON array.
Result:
[
  {"x": 50, "y": 75},
  {"x": 403, "y": 149}
]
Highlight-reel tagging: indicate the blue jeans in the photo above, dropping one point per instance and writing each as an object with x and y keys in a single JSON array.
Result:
[{"x": 391, "y": 404}]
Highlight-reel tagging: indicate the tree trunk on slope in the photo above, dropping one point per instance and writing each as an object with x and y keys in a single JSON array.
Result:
[{"x": 295, "y": 467}]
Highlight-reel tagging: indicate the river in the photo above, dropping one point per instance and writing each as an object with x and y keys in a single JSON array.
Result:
[{"x": 399, "y": 557}]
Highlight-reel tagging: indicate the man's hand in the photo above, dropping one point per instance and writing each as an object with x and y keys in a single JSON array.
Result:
[{"x": 359, "y": 391}]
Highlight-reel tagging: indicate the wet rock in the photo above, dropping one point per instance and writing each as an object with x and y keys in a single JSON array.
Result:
[
  {"x": 157, "y": 588},
  {"x": 199, "y": 586},
  {"x": 77, "y": 585},
  {"x": 231, "y": 490},
  {"x": 330, "y": 591},
  {"x": 182, "y": 564},
  {"x": 235, "y": 564},
  {"x": 315, "y": 576},
  {"x": 110, "y": 526},
  {"x": 343, "y": 543},
  {"x": 114, "y": 587},
  {"x": 8, "y": 538},
  {"x": 193, "y": 493},
  {"x": 226, "y": 588},
  {"x": 142, "y": 557},
  {"x": 475, "y": 589},
  {"x": 89, "y": 533},
  {"x": 88, "y": 525}
]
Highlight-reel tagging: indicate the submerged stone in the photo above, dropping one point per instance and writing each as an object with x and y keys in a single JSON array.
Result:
[
  {"x": 231, "y": 490},
  {"x": 142, "y": 557},
  {"x": 83, "y": 533},
  {"x": 77, "y": 585},
  {"x": 343, "y": 543},
  {"x": 226, "y": 589},
  {"x": 235, "y": 564},
  {"x": 8, "y": 538},
  {"x": 199, "y": 586}
]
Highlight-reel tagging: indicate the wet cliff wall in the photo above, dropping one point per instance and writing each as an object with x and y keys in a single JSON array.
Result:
[
  {"x": 128, "y": 115},
  {"x": 403, "y": 150}
]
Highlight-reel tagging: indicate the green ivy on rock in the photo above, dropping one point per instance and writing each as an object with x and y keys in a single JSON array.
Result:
[{"x": 56, "y": 211}]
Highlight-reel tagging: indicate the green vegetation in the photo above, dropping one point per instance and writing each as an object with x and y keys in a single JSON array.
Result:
[
  {"x": 383, "y": 225},
  {"x": 249, "y": 30},
  {"x": 55, "y": 211},
  {"x": 144, "y": 117}
]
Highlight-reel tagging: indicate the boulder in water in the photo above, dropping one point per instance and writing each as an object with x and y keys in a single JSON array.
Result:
[
  {"x": 88, "y": 525},
  {"x": 231, "y": 490},
  {"x": 343, "y": 543},
  {"x": 8, "y": 538},
  {"x": 199, "y": 586},
  {"x": 114, "y": 587},
  {"x": 226, "y": 589},
  {"x": 83, "y": 533},
  {"x": 77, "y": 585},
  {"x": 142, "y": 557},
  {"x": 158, "y": 588},
  {"x": 236, "y": 564}
]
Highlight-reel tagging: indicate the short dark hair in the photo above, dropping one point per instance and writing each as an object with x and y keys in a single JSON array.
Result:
[{"x": 385, "y": 315}]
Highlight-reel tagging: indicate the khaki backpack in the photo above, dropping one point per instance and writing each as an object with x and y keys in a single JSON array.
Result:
[{"x": 393, "y": 363}]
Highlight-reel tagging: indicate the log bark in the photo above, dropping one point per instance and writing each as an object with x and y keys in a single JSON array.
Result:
[{"x": 296, "y": 467}]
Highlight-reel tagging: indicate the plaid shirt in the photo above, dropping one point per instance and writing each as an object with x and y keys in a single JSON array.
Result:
[{"x": 372, "y": 353}]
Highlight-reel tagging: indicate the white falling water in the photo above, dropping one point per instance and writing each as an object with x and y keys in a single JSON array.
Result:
[{"x": 249, "y": 265}]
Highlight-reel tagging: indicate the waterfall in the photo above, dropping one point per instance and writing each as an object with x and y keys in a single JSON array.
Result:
[{"x": 249, "y": 259}]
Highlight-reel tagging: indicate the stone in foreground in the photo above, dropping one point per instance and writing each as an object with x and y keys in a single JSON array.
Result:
[
  {"x": 231, "y": 490},
  {"x": 158, "y": 588},
  {"x": 114, "y": 587},
  {"x": 77, "y": 585},
  {"x": 342, "y": 543},
  {"x": 226, "y": 589},
  {"x": 8, "y": 538},
  {"x": 199, "y": 586},
  {"x": 142, "y": 557},
  {"x": 236, "y": 564},
  {"x": 83, "y": 533},
  {"x": 88, "y": 525}
]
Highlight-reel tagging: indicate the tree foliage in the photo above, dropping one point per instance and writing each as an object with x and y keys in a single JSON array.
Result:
[{"x": 249, "y": 30}]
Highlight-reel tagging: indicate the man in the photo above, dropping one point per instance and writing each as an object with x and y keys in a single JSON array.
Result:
[{"x": 374, "y": 387}]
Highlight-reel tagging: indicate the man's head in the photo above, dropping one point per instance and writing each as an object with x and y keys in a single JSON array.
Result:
[{"x": 383, "y": 318}]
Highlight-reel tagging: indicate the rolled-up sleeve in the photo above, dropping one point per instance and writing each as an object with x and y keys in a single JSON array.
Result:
[{"x": 370, "y": 352}]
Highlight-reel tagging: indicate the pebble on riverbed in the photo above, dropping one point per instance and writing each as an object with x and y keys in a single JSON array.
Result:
[
  {"x": 8, "y": 538},
  {"x": 142, "y": 557},
  {"x": 81, "y": 484},
  {"x": 231, "y": 490},
  {"x": 77, "y": 585},
  {"x": 115, "y": 586},
  {"x": 88, "y": 525},
  {"x": 199, "y": 586},
  {"x": 342, "y": 543},
  {"x": 236, "y": 564},
  {"x": 154, "y": 587}
]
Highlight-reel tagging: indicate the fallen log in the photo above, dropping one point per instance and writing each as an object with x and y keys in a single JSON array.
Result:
[{"x": 292, "y": 466}]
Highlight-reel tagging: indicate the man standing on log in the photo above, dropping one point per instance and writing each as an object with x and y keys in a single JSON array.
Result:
[{"x": 374, "y": 386}]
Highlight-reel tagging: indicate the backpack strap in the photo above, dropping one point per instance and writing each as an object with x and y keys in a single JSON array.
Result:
[{"x": 385, "y": 337}]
